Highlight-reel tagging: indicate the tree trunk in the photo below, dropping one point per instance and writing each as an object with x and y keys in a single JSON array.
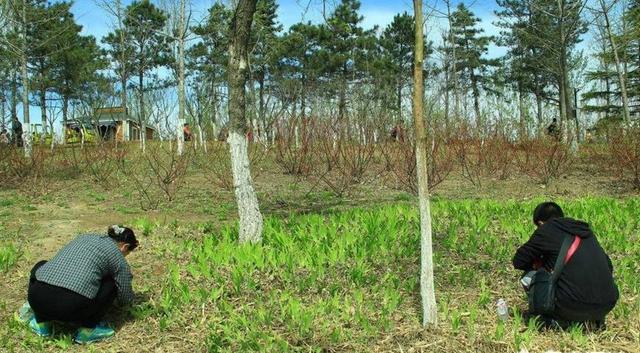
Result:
[
  {"x": 14, "y": 95},
  {"x": 454, "y": 73},
  {"x": 26, "y": 128},
  {"x": 141, "y": 114},
  {"x": 476, "y": 102},
  {"x": 123, "y": 61},
  {"x": 3, "y": 110},
  {"x": 399, "y": 98},
  {"x": 539, "y": 112},
  {"x": 65, "y": 113},
  {"x": 246, "y": 198},
  {"x": 446, "y": 95},
  {"x": 427, "y": 287},
  {"x": 523, "y": 118},
  {"x": 181, "y": 90},
  {"x": 621, "y": 80},
  {"x": 43, "y": 110}
]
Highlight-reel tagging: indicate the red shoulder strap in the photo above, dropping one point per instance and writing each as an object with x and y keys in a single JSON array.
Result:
[{"x": 572, "y": 248}]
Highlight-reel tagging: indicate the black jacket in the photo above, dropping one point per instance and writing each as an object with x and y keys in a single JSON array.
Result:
[{"x": 585, "y": 286}]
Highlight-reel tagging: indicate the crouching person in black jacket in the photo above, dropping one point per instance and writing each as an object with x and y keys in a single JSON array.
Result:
[{"x": 585, "y": 291}]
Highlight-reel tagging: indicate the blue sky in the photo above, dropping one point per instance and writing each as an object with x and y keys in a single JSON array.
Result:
[{"x": 96, "y": 21}]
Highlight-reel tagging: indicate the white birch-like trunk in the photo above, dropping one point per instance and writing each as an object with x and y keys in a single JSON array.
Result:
[
  {"x": 248, "y": 208},
  {"x": 181, "y": 76},
  {"x": 26, "y": 131},
  {"x": 214, "y": 130},
  {"x": 246, "y": 199},
  {"x": 427, "y": 283},
  {"x": 201, "y": 138},
  {"x": 179, "y": 141},
  {"x": 619, "y": 69}
]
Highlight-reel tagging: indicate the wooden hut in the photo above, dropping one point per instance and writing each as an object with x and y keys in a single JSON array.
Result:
[{"x": 111, "y": 123}]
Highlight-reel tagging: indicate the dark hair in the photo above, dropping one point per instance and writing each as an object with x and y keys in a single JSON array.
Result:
[
  {"x": 124, "y": 235},
  {"x": 546, "y": 211}
]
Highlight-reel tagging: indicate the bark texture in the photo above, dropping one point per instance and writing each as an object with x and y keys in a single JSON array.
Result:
[
  {"x": 427, "y": 288},
  {"x": 247, "y": 201}
]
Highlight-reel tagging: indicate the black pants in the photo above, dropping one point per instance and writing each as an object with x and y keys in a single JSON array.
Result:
[{"x": 60, "y": 304}]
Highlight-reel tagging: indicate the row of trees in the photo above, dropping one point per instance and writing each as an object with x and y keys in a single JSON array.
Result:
[{"x": 335, "y": 69}]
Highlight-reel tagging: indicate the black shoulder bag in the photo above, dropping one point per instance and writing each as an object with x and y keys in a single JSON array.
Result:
[{"x": 542, "y": 291}]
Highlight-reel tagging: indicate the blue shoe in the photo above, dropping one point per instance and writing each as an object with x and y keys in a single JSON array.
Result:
[
  {"x": 86, "y": 335},
  {"x": 42, "y": 329}
]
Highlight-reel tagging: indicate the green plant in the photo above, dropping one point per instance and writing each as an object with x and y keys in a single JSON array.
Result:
[{"x": 9, "y": 255}]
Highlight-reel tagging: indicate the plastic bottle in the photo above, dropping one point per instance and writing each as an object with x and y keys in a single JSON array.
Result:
[
  {"x": 25, "y": 313},
  {"x": 503, "y": 310}
]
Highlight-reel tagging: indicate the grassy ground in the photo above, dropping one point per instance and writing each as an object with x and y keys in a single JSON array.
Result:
[{"x": 333, "y": 274}]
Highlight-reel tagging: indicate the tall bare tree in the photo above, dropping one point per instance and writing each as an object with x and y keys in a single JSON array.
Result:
[
  {"x": 26, "y": 130},
  {"x": 181, "y": 38},
  {"x": 427, "y": 287},
  {"x": 605, "y": 8},
  {"x": 246, "y": 198}
]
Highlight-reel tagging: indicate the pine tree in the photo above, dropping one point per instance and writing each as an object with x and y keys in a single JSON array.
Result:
[
  {"x": 525, "y": 60},
  {"x": 471, "y": 46},
  {"x": 77, "y": 62},
  {"x": 145, "y": 49},
  {"x": 344, "y": 48},
  {"x": 208, "y": 59},
  {"x": 631, "y": 41},
  {"x": 264, "y": 55},
  {"x": 298, "y": 65},
  {"x": 397, "y": 44}
]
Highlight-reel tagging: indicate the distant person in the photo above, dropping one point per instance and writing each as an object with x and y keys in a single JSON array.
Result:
[
  {"x": 4, "y": 137},
  {"x": 81, "y": 282},
  {"x": 397, "y": 133},
  {"x": 17, "y": 132},
  {"x": 585, "y": 291},
  {"x": 186, "y": 131},
  {"x": 553, "y": 129}
]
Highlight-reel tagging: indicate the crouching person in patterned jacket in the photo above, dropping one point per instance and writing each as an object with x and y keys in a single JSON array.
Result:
[{"x": 81, "y": 282}]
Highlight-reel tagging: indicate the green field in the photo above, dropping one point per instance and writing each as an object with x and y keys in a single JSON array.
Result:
[{"x": 344, "y": 281}]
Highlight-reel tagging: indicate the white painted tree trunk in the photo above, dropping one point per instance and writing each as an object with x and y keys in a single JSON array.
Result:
[
  {"x": 214, "y": 130},
  {"x": 248, "y": 208},
  {"x": 26, "y": 131},
  {"x": 427, "y": 286},
  {"x": 179, "y": 140},
  {"x": 246, "y": 199},
  {"x": 181, "y": 77},
  {"x": 202, "y": 138}
]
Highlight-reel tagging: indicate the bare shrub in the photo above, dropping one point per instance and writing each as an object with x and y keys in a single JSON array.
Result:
[
  {"x": 345, "y": 156},
  {"x": 482, "y": 157},
  {"x": 620, "y": 156},
  {"x": 293, "y": 146},
  {"x": 35, "y": 176},
  {"x": 400, "y": 162},
  {"x": 102, "y": 162},
  {"x": 157, "y": 174},
  {"x": 216, "y": 163},
  {"x": 544, "y": 159}
]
